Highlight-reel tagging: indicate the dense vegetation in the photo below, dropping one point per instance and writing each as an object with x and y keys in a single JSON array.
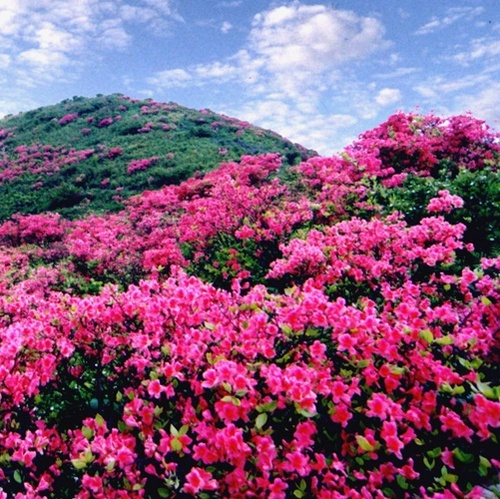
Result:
[
  {"x": 87, "y": 155},
  {"x": 329, "y": 330}
]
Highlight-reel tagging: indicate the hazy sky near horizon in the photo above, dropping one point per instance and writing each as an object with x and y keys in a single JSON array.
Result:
[{"x": 319, "y": 73}]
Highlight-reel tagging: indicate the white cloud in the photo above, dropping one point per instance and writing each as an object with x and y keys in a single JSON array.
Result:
[
  {"x": 485, "y": 104},
  {"x": 426, "y": 91},
  {"x": 436, "y": 87},
  {"x": 453, "y": 15},
  {"x": 388, "y": 96},
  {"x": 478, "y": 94},
  {"x": 397, "y": 73},
  {"x": 482, "y": 48},
  {"x": 226, "y": 27},
  {"x": 48, "y": 38},
  {"x": 314, "y": 38},
  {"x": 43, "y": 57},
  {"x": 171, "y": 78},
  {"x": 293, "y": 57},
  {"x": 308, "y": 41},
  {"x": 216, "y": 71},
  {"x": 235, "y": 3},
  {"x": 328, "y": 131},
  {"x": 4, "y": 61}
]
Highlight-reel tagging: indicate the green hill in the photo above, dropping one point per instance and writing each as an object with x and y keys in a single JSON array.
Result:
[{"x": 86, "y": 155}]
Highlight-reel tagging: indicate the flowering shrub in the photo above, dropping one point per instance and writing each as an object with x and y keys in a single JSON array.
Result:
[
  {"x": 105, "y": 122},
  {"x": 239, "y": 335},
  {"x": 141, "y": 164},
  {"x": 68, "y": 118}
]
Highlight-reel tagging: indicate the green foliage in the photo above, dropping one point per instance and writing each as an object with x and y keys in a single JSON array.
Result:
[
  {"x": 480, "y": 212},
  {"x": 184, "y": 140}
]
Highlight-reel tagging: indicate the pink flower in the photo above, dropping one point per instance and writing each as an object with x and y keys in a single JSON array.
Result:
[
  {"x": 266, "y": 452},
  {"x": 444, "y": 203},
  {"x": 390, "y": 434},
  {"x": 379, "y": 406},
  {"x": 303, "y": 434},
  {"x": 452, "y": 422},
  {"x": 94, "y": 483},
  {"x": 198, "y": 479},
  {"x": 297, "y": 463},
  {"x": 277, "y": 489},
  {"x": 245, "y": 232},
  {"x": 155, "y": 389},
  {"x": 447, "y": 456},
  {"x": 408, "y": 471},
  {"x": 347, "y": 342},
  {"x": 341, "y": 415}
]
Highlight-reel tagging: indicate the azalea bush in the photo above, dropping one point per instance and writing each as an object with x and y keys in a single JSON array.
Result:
[{"x": 264, "y": 332}]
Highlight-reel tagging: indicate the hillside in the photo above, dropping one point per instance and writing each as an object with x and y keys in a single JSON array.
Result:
[
  {"x": 330, "y": 329},
  {"x": 87, "y": 155}
]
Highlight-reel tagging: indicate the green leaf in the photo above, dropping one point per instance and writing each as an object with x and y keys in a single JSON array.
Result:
[
  {"x": 448, "y": 477},
  {"x": 268, "y": 407},
  {"x": 436, "y": 452},
  {"x": 402, "y": 482},
  {"x": 298, "y": 493},
  {"x": 164, "y": 493},
  {"x": 364, "y": 443},
  {"x": 176, "y": 444},
  {"x": 99, "y": 420},
  {"x": 184, "y": 429},
  {"x": 17, "y": 476},
  {"x": 429, "y": 463},
  {"x": 234, "y": 400},
  {"x": 87, "y": 432},
  {"x": 486, "y": 390},
  {"x": 485, "y": 301},
  {"x": 427, "y": 335},
  {"x": 261, "y": 420},
  {"x": 312, "y": 332},
  {"x": 462, "y": 456},
  {"x": 363, "y": 363},
  {"x": 303, "y": 412},
  {"x": 484, "y": 465},
  {"x": 79, "y": 464},
  {"x": 445, "y": 340}
]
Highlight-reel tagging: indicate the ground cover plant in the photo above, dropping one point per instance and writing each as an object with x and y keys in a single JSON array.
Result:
[{"x": 326, "y": 330}]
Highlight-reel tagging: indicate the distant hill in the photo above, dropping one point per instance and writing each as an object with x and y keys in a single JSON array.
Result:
[{"x": 86, "y": 155}]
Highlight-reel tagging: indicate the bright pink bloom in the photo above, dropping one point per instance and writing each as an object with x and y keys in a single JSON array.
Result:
[
  {"x": 452, "y": 422},
  {"x": 198, "y": 479}
]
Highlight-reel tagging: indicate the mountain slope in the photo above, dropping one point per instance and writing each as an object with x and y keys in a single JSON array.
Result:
[{"x": 86, "y": 155}]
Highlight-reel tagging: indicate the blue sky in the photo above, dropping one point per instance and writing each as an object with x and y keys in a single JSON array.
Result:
[{"x": 319, "y": 73}]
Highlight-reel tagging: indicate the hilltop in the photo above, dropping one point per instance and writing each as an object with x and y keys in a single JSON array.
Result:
[{"x": 87, "y": 155}]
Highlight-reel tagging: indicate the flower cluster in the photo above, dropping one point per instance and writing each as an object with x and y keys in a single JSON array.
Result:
[
  {"x": 39, "y": 159},
  {"x": 239, "y": 335},
  {"x": 141, "y": 164},
  {"x": 445, "y": 203}
]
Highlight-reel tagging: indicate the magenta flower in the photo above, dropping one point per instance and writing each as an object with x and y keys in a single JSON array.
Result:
[{"x": 199, "y": 479}]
